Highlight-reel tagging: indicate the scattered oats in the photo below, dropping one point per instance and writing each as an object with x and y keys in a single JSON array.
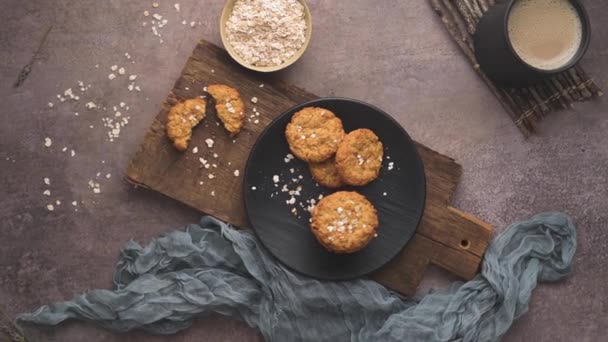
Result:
[
  {"x": 90, "y": 105},
  {"x": 209, "y": 142},
  {"x": 72, "y": 153},
  {"x": 157, "y": 16},
  {"x": 51, "y": 105},
  {"x": 176, "y": 7},
  {"x": 292, "y": 200},
  {"x": 108, "y": 176},
  {"x": 132, "y": 77},
  {"x": 211, "y": 176},
  {"x": 130, "y": 87},
  {"x": 236, "y": 173},
  {"x": 360, "y": 159},
  {"x": 146, "y": 13},
  {"x": 117, "y": 114},
  {"x": 96, "y": 190},
  {"x": 256, "y": 121},
  {"x": 74, "y": 203},
  {"x": 155, "y": 4},
  {"x": 47, "y": 193},
  {"x": 114, "y": 67},
  {"x": 391, "y": 165},
  {"x": 275, "y": 178},
  {"x": 253, "y": 188},
  {"x": 214, "y": 165},
  {"x": 121, "y": 71},
  {"x": 111, "y": 76},
  {"x": 50, "y": 207},
  {"x": 254, "y": 99},
  {"x": 195, "y": 150},
  {"x": 192, "y": 23},
  {"x": 137, "y": 88},
  {"x": 48, "y": 142}
]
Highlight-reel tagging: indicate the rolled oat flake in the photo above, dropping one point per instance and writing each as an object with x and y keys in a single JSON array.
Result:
[{"x": 266, "y": 32}]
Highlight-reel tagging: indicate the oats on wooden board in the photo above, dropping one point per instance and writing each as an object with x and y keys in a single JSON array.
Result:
[{"x": 266, "y": 32}]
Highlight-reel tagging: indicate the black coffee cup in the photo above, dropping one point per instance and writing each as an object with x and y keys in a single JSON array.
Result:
[{"x": 496, "y": 55}]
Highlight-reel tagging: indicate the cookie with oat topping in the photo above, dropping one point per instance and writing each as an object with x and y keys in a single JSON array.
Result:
[
  {"x": 326, "y": 173},
  {"x": 313, "y": 134},
  {"x": 182, "y": 118},
  {"x": 344, "y": 222},
  {"x": 229, "y": 106},
  {"x": 359, "y": 157}
]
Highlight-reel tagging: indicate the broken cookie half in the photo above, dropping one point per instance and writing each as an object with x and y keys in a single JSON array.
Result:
[
  {"x": 229, "y": 106},
  {"x": 181, "y": 120}
]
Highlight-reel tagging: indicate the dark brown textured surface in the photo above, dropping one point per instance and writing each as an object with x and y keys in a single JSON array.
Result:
[
  {"x": 158, "y": 166},
  {"x": 394, "y": 54},
  {"x": 526, "y": 105}
]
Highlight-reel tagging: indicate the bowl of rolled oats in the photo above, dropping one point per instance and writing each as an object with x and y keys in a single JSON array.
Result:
[{"x": 265, "y": 35}]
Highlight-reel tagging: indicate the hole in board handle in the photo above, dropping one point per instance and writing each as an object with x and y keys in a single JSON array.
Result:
[{"x": 465, "y": 244}]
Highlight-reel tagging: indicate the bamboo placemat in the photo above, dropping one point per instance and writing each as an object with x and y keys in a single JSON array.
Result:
[{"x": 528, "y": 105}]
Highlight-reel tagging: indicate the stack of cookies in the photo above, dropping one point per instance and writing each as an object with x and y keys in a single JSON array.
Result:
[{"x": 345, "y": 221}]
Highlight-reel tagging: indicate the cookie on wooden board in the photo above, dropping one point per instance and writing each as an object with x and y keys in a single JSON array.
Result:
[
  {"x": 359, "y": 157},
  {"x": 182, "y": 118},
  {"x": 229, "y": 107},
  {"x": 326, "y": 173},
  {"x": 344, "y": 222},
  {"x": 314, "y": 133}
]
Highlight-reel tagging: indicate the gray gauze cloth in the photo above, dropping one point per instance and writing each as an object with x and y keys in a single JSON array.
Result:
[{"x": 211, "y": 267}]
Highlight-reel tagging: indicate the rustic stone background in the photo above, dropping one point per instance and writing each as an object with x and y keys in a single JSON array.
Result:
[{"x": 394, "y": 54}]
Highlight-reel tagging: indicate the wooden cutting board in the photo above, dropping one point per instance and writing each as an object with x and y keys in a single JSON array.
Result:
[{"x": 446, "y": 237}]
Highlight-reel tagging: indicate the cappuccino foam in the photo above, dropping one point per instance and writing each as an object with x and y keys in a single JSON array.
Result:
[{"x": 545, "y": 34}]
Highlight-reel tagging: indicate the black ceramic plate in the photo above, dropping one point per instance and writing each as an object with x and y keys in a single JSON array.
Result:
[{"x": 398, "y": 195}]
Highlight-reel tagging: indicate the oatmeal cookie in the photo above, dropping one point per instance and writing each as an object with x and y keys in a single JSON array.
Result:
[
  {"x": 359, "y": 157},
  {"x": 182, "y": 118},
  {"x": 314, "y": 133},
  {"x": 326, "y": 173},
  {"x": 344, "y": 222},
  {"x": 229, "y": 106}
]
